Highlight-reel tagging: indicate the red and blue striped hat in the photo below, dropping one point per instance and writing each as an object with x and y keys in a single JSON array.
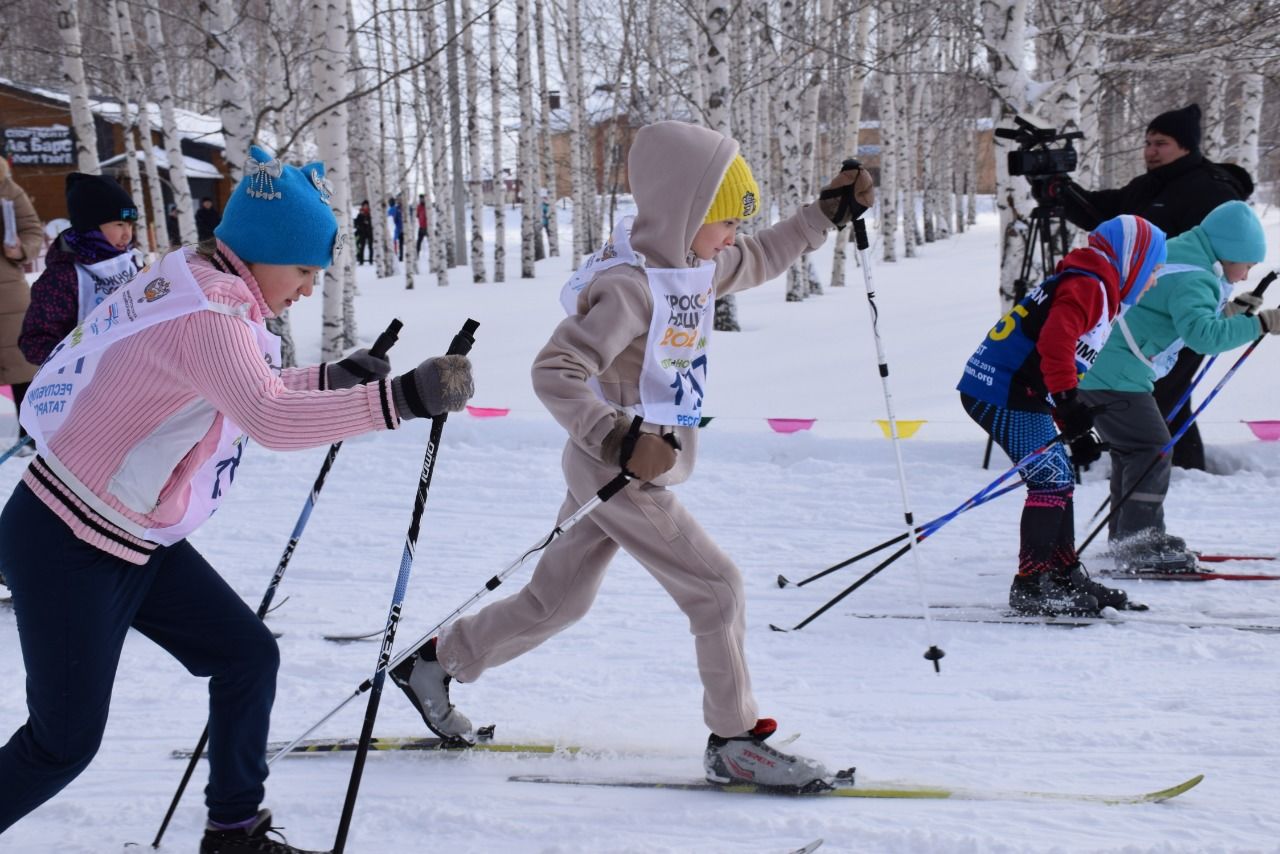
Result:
[{"x": 1134, "y": 247}]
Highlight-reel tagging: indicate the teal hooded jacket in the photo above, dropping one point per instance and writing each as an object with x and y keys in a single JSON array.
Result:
[{"x": 1185, "y": 305}]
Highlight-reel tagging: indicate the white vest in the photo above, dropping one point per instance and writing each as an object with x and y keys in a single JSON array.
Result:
[
  {"x": 98, "y": 281},
  {"x": 1162, "y": 363},
  {"x": 673, "y": 378},
  {"x": 163, "y": 293}
]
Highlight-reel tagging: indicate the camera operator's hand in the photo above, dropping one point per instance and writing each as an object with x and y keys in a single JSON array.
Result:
[{"x": 849, "y": 194}]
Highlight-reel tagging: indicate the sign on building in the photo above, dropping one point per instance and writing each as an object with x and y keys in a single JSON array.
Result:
[{"x": 47, "y": 146}]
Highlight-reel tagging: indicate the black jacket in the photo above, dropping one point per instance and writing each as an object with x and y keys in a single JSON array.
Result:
[
  {"x": 1175, "y": 197},
  {"x": 207, "y": 219}
]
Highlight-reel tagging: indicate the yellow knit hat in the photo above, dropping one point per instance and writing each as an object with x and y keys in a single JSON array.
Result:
[{"x": 738, "y": 196}]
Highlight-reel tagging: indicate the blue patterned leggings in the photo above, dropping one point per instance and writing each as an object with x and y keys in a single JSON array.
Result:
[{"x": 1048, "y": 518}]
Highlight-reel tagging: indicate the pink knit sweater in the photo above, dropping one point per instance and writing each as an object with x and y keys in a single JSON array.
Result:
[{"x": 146, "y": 378}]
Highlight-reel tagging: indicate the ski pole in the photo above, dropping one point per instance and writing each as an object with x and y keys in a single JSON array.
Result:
[
  {"x": 1204, "y": 371},
  {"x": 933, "y": 654},
  {"x": 926, "y": 531},
  {"x": 981, "y": 497},
  {"x": 1173, "y": 441},
  {"x": 602, "y": 495},
  {"x": 17, "y": 446},
  {"x": 380, "y": 349},
  {"x": 460, "y": 347}
]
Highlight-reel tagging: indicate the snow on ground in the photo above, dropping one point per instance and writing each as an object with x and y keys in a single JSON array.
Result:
[{"x": 1108, "y": 709}]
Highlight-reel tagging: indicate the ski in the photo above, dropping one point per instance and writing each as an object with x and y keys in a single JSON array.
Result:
[
  {"x": 807, "y": 849},
  {"x": 1214, "y": 558},
  {"x": 886, "y": 791},
  {"x": 987, "y": 614},
  {"x": 415, "y": 743},
  {"x": 1185, "y": 575}
]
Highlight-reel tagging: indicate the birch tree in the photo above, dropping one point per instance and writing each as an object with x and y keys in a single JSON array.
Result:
[
  {"x": 548, "y": 170},
  {"x": 441, "y": 242},
  {"x": 163, "y": 88},
  {"x": 495, "y": 145},
  {"x": 886, "y": 45},
  {"x": 582, "y": 215},
  {"x": 408, "y": 208},
  {"x": 453, "y": 85},
  {"x": 850, "y": 111},
  {"x": 328, "y": 19},
  {"x": 715, "y": 68},
  {"x": 134, "y": 89},
  {"x": 229, "y": 90},
  {"x": 526, "y": 161},
  {"x": 122, "y": 85},
  {"x": 68, "y": 20},
  {"x": 1251, "y": 100},
  {"x": 474, "y": 183}
]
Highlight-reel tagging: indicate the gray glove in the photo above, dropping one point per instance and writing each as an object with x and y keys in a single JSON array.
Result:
[
  {"x": 438, "y": 385},
  {"x": 1270, "y": 320},
  {"x": 1247, "y": 302},
  {"x": 358, "y": 367}
]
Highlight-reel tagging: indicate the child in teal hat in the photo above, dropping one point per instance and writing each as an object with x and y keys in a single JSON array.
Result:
[
  {"x": 1188, "y": 307},
  {"x": 141, "y": 417}
]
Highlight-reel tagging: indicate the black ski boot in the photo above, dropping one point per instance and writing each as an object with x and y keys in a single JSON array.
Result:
[
  {"x": 1153, "y": 550},
  {"x": 1050, "y": 593},
  {"x": 249, "y": 840},
  {"x": 1108, "y": 597},
  {"x": 426, "y": 684}
]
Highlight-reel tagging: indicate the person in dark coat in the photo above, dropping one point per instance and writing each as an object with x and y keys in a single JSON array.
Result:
[
  {"x": 364, "y": 234},
  {"x": 207, "y": 219},
  {"x": 1178, "y": 190}
]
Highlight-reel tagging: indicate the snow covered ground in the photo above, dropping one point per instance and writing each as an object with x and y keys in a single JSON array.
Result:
[{"x": 1108, "y": 709}]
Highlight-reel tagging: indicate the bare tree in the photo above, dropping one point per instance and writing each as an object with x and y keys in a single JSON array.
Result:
[
  {"x": 473, "y": 145},
  {"x": 68, "y": 18},
  {"x": 499, "y": 184}
]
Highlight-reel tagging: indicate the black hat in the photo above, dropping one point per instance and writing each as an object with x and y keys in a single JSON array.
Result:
[
  {"x": 95, "y": 199},
  {"x": 1183, "y": 125}
]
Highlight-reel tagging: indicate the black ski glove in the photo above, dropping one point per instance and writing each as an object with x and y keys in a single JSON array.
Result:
[
  {"x": 1075, "y": 421},
  {"x": 358, "y": 367},
  {"x": 438, "y": 385},
  {"x": 849, "y": 194}
]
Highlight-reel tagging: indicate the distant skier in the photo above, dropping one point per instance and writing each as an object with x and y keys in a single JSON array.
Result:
[
  {"x": 636, "y": 344},
  {"x": 1022, "y": 380}
]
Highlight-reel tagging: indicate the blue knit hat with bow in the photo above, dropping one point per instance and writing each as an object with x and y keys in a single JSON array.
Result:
[{"x": 280, "y": 214}]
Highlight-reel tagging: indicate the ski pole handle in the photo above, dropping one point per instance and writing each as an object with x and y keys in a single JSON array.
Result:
[
  {"x": 465, "y": 339},
  {"x": 387, "y": 339},
  {"x": 1262, "y": 288},
  {"x": 860, "y": 235}
]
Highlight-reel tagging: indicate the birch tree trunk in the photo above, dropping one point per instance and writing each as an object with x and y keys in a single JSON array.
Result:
[
  {"x": 131, "y": 62},
  {"x": 582, "y": 213},
  {"x": 329, "y": 78},
  {"x": 1215, "y": 110},
  {"x": 527, "y": 162},
  {"x": 1004, "y": 31},
  {"x": 404, "y": 186},
  {"x": 475, "y": 185},
  {"x": 384, "y": 252},
  {"x": 68, "y": 17},
  {"x": 548, "y": 170},
  {"x": 886, "y": 39},
  {"x": 789, "y": 130},
  {"x": 160, "y": 82},
  {"x": 716, "y": 71},
  {"x": 362, "y": 135},
  {"x": 441, "y": 240},
  {"x": 453, "y": 83},
  {"x": 222, "y": 47},
  {"x": 495, "y": 145},
  {"x": 695, "y": 10},
  {"x": 850, "y": 113},
  {"x": 114, "y": 10},
  {"x": 1251, "y": 100}
]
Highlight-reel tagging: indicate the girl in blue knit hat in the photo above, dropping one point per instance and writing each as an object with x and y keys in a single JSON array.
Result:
[
  {"x": 1020, "y": 387},
  {"x": 1188, "y": 307},
  {"x": 141, "y": 417}
]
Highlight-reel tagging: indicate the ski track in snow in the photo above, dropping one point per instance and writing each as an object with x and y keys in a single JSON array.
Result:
[{"x": 1108, "y": 709}]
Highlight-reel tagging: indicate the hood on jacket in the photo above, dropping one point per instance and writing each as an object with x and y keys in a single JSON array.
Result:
[
  {"x": 1093, "y": 262},
  {"x": 1134, "y": 247},
  {"x": 675, "y": 169},
  {"x": 1234, "y": 233}
]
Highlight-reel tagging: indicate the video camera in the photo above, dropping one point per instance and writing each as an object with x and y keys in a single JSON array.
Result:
[{"x": 1034, "y": 158}]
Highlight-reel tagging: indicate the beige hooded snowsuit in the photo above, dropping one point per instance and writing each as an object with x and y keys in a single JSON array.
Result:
[{"x": 675, "y": 170}]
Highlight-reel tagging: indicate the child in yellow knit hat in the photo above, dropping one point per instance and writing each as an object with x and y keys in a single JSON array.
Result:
[{"x": 626, "y": 374}]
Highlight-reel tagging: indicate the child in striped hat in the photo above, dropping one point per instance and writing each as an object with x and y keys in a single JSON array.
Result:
[{"x": 1020, "y": 387}]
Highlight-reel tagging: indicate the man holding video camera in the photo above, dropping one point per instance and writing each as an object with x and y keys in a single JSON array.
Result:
[{"x": 1178, "y": 190}]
